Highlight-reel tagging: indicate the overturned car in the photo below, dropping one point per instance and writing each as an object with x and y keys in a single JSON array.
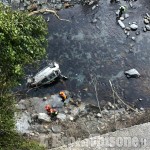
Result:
[{"x": 45, "y": 76}]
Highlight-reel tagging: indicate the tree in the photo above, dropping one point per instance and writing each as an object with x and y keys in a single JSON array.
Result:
[{"x": 22, "y": 41}]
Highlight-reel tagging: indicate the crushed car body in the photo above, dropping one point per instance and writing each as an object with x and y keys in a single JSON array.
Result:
[{"x": 45, "y": 76}]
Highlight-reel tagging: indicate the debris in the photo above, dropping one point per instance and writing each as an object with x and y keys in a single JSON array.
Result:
[
  {"x": 132, "y": 73},
  {"x": 44, "y": 117},
  {"x": 133, "y": 26},
  {"x": 94, "y": 20},
  {"x": 122, "y": 25},
  {"x": 140, "y": 99},
  {"x": 99, "y": 115},
  {"x": 71, "y": 118}
]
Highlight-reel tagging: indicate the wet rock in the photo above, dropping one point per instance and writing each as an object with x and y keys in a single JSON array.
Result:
[
  {"x": 20, "y": 106},
  {"x": 93, "y": 7},
  {"x": 44, "y": 117},
  {"x": 132, "y": 73},
  {"x": 147, "y": 27},
  {"x": 94, "y": 20},
  {"x": 137, "y": 33},
  {"x": 133, "y": 38},
  {"x": 61, "y": 116},
  {"x": 56, "y": 129},
  {"x": 128, "y": 34},
  {"x": 146, "y": 21},
  {"x": 99, "y": 115},
  {"x": 122, "y": 25},
  {"x": 121, "y": 18},
  {"x": 126, "y": 16},
  {"x": 134, "y": 27},
  {"x": 128, "y": 28},
  {"x": 142, "y": 109},
  {"x": 91, "y": 2},
  {"x": 147, "y": 15},
  {"x": 144, "y": 29},
  {"x": 71, "y": 118}
]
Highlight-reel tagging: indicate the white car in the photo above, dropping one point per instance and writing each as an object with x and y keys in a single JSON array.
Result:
[{"x": 45, "y": 76}]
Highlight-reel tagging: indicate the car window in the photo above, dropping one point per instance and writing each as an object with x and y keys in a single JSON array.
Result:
[{"x": 45, "y": 80}]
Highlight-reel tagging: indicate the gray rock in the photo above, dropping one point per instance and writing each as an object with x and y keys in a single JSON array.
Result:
[
  {"x": 121, "y": 18},
  {"x": 144, "y": 29},
  {"x": 56, "y": 129},
  {"x": 94, "y": 20},
  {"x": 126, "y": 16},
  {"x": 99, "y": 115},
  {"x": 44, "y": 117},
  {"x": 20, "y": 106},
  {"x": 146, "y": 21},
  {"x": 147, "y": 27},
  {"x": 147, "y": 15},
  {"x": 91, "y": 2},
  {"x": 58, "y": 6},
  {"x": 132, "y": 73},
  {"x": 128, "y": 28},
  {"x": 122, "y": 25},
  {"x": 93, "y": 7},
  {"x": 61, "y": 116},
  {"x": 133, "y": 26},
  {"x": 133, "y": 38}
]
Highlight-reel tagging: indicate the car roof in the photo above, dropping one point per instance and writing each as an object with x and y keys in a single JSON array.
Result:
[{"x": 44, "y": 73}]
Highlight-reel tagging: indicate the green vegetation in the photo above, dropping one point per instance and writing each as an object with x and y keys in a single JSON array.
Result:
[{"x": 22, "y": 42}]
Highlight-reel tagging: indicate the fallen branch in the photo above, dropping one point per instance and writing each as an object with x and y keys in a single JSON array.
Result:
[
  {"x": 49, "y": 11},
  {"x": 114, "y": 92}
]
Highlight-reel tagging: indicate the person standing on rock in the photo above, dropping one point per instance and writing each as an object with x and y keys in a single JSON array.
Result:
[
  {"x": 50, "y": 111},
  {"x": 121, "y": 11}
]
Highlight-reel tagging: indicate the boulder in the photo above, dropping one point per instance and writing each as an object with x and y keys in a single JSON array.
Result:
[
  {"x": 44, "y": 117},
  {"x": 146, "y": 21},
  {"x": 147, "y": 27},
  {"x": 133, "y": 26},
  {"x": 122, "y": 25},
  {"x": 132, "y": 73}
]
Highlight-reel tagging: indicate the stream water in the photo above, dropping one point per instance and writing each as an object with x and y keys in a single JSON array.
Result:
[{"x": 101, "y": 51}]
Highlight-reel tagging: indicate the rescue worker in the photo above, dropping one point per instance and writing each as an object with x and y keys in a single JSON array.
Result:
[
  {"x": 51, "y": 111},
  {"x": 121, "y": 10},
  {"x": 63, "y": 96}
]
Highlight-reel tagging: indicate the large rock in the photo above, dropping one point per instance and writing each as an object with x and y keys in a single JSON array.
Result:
[
  {"x": 122, "y": 25},
  {"x": 132, "y": 73},
  {"x": 44, "y": 117},
  {"x": 133, "y": 26},
  {"x": 147, "y": 27}
]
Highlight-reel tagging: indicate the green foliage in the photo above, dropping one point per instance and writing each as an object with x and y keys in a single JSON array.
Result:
[{"x": 22, "y": 41}]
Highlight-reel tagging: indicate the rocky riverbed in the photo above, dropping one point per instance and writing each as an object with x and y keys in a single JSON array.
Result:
[{"x": 73, "y": 122}]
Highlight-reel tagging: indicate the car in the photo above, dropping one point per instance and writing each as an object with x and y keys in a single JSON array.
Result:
[{"x": 45, "y": 76}]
